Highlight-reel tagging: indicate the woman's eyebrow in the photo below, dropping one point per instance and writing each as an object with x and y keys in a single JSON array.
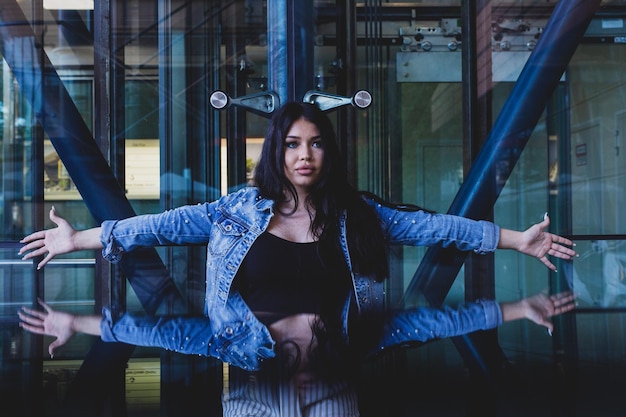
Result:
[{"x": 299, "y": 137}]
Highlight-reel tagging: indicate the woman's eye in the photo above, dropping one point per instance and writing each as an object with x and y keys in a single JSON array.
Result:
[
  {"x": 317, "y": 144},
  {"x": 290, "y": 145}
]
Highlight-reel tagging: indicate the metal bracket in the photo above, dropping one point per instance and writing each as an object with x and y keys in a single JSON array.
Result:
[
  {"x": 326, "y": 101},
  {"x": 263, "y": 104}
]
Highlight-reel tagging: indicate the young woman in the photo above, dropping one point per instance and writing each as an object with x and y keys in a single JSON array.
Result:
[{"x": 295, "y": 267}]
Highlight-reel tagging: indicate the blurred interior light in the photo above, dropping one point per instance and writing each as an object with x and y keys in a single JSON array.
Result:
[{"x": 68, "y": 4}]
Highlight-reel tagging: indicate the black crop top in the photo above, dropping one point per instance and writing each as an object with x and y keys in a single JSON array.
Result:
[{"x": 279, "y": 278}]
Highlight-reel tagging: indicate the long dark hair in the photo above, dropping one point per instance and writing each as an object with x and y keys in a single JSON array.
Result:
[{"x": 330, "y": 197}]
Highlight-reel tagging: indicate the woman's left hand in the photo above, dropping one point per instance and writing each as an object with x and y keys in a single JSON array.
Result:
[{"x": 535, "y": 241}]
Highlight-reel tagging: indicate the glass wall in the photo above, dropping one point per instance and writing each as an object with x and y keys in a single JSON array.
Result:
[{"x": 116, "y": 108}]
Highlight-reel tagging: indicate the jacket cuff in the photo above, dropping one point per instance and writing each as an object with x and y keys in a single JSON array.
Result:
[
  {"x": 106, "y": 326},
  {"x": 493, "y": 313},
  {"x": 491, "y": 237},
  {"x": 111, "y": 251}
]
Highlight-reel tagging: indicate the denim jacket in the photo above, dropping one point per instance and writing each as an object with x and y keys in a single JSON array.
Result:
[{"x": 229, "y": 226}]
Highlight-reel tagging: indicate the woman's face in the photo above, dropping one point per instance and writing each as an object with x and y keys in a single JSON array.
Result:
[{"x": 304, "y": 154}]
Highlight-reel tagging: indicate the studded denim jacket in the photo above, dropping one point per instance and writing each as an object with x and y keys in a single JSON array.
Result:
[{"x": 229, "y": 226}]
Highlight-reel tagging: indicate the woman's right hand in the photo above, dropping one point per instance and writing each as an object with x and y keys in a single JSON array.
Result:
[
  {"x": 49, "y": 323},
  {"x": 51, "y": 242}
]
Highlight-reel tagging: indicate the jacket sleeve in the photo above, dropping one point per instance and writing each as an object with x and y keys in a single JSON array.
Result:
[
  {"x": 187, "y": 225},
  {"x": 422, "y": 228},
  {"x": 423, "y": 324}
]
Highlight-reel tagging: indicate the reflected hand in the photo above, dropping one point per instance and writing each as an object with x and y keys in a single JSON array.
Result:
[
  {"x": 49, "y": 323},
  {"x": 51, "y": 242},
  {"x": 540, "y": 307}
]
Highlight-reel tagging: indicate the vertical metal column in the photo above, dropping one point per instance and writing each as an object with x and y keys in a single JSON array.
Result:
[
  {"x": 236, "y": 118},
  {"x": 565, "y": 343},
  {"x": 477, "y": 118},
  {"x": 477, "y": 109},
  {"x": 290, "y": 48},
  {"x": 346, "y": 79}
]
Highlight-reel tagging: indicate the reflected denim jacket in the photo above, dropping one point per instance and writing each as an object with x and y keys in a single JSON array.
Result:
[{"x": 229, "y": 226}]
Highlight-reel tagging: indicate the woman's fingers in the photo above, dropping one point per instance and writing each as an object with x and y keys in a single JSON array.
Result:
[
  {"x": 544, "y": 259},
  {"x": 31, "y": 244},
  {"x": 33, "y": 236},
  {"x": 561, "y": 251},
  {"x": 34, "y": 249}
]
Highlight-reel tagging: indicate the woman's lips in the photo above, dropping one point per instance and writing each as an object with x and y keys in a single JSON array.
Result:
[{"x": 305, "y": 170}]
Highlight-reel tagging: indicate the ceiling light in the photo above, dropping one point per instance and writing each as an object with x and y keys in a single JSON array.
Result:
[{"x": 68, "y": 4}]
